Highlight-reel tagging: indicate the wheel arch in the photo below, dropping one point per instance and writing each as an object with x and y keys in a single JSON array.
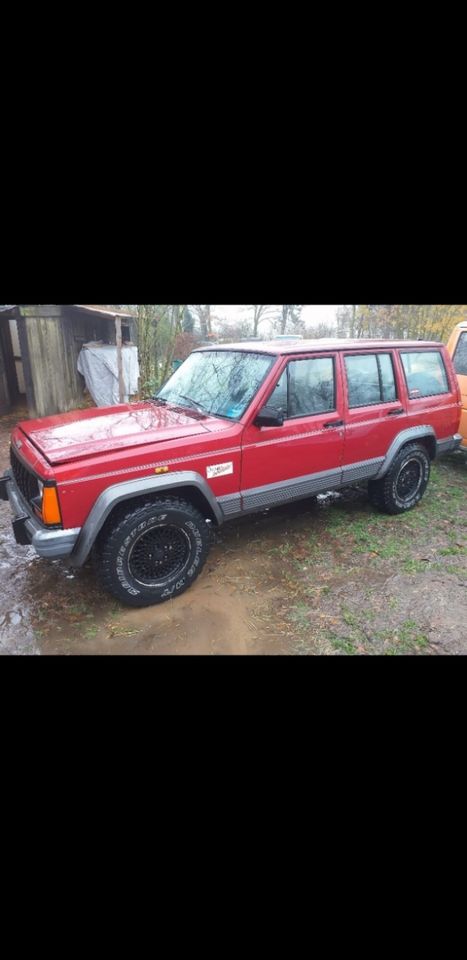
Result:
[
  {"x": 189, "y": 485},
  {"x": 424, "y": 435}
]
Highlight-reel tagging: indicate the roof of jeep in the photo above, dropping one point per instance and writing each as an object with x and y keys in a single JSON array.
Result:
[{"x": 282, "y": 347}]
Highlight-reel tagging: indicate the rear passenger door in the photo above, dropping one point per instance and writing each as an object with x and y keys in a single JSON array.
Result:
[{"x": 375, "y": 410}]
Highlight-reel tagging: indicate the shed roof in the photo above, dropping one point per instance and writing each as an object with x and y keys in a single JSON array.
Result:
[{"x": 99, "y": 310}]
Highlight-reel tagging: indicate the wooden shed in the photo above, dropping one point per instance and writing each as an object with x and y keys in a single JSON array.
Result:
[{"x": 39, "y": 348}]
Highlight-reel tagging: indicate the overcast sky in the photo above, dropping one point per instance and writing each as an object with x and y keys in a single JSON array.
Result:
[{"x": 312, "y": 314}]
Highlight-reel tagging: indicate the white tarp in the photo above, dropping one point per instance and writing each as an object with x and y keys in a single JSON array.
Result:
[{"x": 99, "y": 366}]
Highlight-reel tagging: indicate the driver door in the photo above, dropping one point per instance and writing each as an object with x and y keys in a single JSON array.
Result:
[{"x": 305, "y": 455}]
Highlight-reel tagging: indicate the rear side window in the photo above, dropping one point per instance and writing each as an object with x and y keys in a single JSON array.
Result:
[
  {"x": 460, "y": 356},
  {"x": 370, "y": 379},
  {"x": 425, "y": 374}
]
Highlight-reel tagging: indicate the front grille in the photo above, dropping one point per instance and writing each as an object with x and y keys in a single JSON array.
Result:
[{"x": 26, "y": 481}]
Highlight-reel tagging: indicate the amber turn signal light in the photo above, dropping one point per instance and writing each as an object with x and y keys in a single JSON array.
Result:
[{"x": 51, "y": 514}]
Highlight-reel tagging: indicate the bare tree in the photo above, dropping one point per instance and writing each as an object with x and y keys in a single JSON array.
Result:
[
  {"x": 228, "y": 332},
  {"x": 203, "y": 314},
  {"x": 149, "y": 317},
  {"x": 158, "y": 326},
  {"x": 261, "y": 312},
  {"x": 291, "y": 316},
  {"x": 321, "y": 331},
  {"x": 188, "y": 320},
  {"x": 177, "y": 312}
]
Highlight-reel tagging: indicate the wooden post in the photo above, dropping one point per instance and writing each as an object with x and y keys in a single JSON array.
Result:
[
  {"x": 4, "y": 392},
  {"x": 121, "y": 382}
]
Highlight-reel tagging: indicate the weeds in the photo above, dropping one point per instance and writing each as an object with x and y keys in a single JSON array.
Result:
[{"x": 428, "y": 540}]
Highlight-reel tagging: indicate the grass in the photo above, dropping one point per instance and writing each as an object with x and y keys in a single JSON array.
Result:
[
  {"x": 405, "y": 640},
  {"x": 343, "y": 646},
  {"x": 338, "y": 569}
]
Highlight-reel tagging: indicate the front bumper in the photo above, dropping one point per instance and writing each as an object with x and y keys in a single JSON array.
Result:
[{"x": 51, "y": 544}]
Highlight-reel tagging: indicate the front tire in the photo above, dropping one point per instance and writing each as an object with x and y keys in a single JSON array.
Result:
[
  {"x": 153, "y": 552},
  {"x": 405, "y": 483}
]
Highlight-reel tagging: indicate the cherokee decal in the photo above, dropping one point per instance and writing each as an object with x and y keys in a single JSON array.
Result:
[{"x": 219, "y": 470}]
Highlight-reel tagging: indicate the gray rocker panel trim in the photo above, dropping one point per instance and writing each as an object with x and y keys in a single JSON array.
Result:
[
  {"x": 449, "y": 445},
  {"x": 133, "y": 488},
  {"x": 406, "y": 436},
  {"x": 297, "y": 489},
  {"x": 361, "y": 471},
  {"x": 231, "y": 505}
]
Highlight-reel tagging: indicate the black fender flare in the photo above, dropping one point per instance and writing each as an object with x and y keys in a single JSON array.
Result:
[
  {"x": 406, "y": 436},
  {"x": 130, "y": 489}
]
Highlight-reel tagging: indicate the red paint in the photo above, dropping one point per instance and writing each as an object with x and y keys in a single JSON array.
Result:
[
  {"x": 87, "y": 451},
  {"x": 73, "y": 436}
]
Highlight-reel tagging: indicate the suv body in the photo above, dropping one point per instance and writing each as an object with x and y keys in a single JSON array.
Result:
[
  {"x": 237, "y": 429},
  {"x": 457, "y": 348}
]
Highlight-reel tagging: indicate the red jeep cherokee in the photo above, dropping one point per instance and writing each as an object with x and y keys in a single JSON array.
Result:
[{"x": 235, "y": 430}]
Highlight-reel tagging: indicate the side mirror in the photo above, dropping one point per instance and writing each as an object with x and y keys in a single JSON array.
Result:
[{"x": 269, "y": 417}]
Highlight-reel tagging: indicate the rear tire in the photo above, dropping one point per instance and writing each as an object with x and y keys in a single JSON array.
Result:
[
  {"x": 152, "y": 552},
  {"x": 405, "y": 483}
]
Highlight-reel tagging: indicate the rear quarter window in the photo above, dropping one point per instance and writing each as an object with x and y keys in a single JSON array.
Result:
[
  {"x": 425, "y": 373},
  {"x": 460, "y": 356}
]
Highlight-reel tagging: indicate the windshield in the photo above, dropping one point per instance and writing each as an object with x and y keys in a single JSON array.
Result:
[{"x": 222, "y": 383}]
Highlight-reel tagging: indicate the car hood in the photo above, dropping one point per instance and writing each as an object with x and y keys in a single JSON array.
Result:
[{"x": 86, "y": 433}]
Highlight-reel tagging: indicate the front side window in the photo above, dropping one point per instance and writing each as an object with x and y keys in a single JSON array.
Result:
[
  {"x": 370, "y": 379},
  {"x": 460, "y": 356},
  {"x": 425, "y": 374},
  {"x": 222, "y": 383},
  {"x": 280, "y": 398},
  {"x": 306, "y": 388}
]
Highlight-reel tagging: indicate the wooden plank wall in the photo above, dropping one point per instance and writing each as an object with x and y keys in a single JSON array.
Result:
[
  {"x": 55, "y": 335},
  {"x": 6, "y": 348},
  {"x": 53, "y": 384}
]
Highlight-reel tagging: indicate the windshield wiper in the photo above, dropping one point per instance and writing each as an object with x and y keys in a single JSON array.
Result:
[{"x": 199, "y": 406}]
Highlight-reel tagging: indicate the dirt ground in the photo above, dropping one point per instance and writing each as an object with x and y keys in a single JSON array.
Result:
[{"x": 326, "y": 576}]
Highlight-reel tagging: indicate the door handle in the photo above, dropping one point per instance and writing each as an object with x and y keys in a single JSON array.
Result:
[
  {"x": 335, "y": 423},
  {"x": 395, "y": 413}
]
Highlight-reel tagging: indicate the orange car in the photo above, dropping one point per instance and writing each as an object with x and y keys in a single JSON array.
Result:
[{"x": 457, "y": 347}]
